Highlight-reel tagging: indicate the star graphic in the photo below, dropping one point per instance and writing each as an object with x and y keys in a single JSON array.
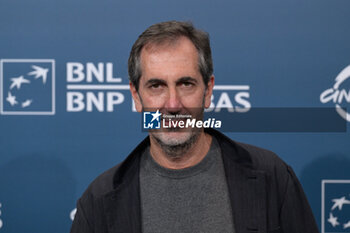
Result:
[
  {"x": 339, "y": 203},
  {"x": 26, "y": 103},
  {"x": 346, "y": 225},
  {"x": 39, "y": 72},
  {"x": 17, "y": 82},
  {"x": 155, "y": 115},
  {"x": 333, "y": 220},
  {"x": 11, "y": 99}
]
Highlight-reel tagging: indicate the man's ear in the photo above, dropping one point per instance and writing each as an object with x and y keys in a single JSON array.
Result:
[
  {"x": 136, "y": 97},
  {"x": 209, "y": 91}
]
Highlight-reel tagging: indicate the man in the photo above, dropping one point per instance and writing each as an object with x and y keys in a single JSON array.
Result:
[{"x": 189, "y": 180}]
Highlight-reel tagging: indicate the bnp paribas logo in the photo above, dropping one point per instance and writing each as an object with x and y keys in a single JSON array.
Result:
[{"x": 27, "y": 86}]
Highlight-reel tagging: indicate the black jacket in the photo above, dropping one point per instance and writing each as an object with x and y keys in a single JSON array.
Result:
[{"x": 265, "y": 194}]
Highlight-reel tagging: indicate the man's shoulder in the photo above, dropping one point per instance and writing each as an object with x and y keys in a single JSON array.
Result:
[
  {"x": 111, "y": 178},
  {"x": 261, "y": 158},
  {"x": 248, "y": 155},
  {"x": 103, "y": 183},
  {"x": 266, "y": 161}
]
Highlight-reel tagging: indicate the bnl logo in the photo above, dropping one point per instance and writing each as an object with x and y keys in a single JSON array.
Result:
[
  {"x": 151, "y": 120},
  {"x": 335, "y": 206},
  {"x": 27, "y": 87}
]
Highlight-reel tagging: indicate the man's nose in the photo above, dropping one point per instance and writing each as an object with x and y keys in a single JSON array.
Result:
[{"x": 173, "y": 102}]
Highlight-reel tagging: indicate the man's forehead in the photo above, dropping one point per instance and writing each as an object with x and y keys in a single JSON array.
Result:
[{"x": 180, "y": 59}]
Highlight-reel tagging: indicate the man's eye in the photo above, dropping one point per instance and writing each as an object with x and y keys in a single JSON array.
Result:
[
  {"x": 187, "y": 84},
  {"x": 155, "y": 86}
]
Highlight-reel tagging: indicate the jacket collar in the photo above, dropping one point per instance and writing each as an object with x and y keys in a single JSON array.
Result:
[{"x": 123, "y": 206}]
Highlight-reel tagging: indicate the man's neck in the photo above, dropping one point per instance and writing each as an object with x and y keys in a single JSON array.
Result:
[{"x": 189, "y": 158}]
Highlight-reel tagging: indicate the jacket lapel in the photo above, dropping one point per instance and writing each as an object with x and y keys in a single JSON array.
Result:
[
  {"x": 122, "y": 209},
  {"x": 122, "y": 205},
  {"x": 249, "y": 203},
  {"x": 247, "y": 188}
]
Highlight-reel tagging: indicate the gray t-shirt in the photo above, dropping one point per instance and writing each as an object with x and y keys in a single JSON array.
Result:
[{"x": 192, "y": 200}]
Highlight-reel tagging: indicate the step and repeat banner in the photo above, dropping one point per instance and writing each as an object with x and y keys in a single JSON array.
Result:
[{"x": 67, "y": 113}]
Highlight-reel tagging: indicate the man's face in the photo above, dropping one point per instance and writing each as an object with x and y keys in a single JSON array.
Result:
[{"x": 172, "y": 83}]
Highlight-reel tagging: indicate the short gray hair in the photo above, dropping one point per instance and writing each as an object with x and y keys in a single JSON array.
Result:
[{"x": 170, "y": 31}]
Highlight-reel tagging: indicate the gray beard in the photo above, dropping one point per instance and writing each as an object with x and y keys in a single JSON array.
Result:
[{"x": 177, "y": 151}]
